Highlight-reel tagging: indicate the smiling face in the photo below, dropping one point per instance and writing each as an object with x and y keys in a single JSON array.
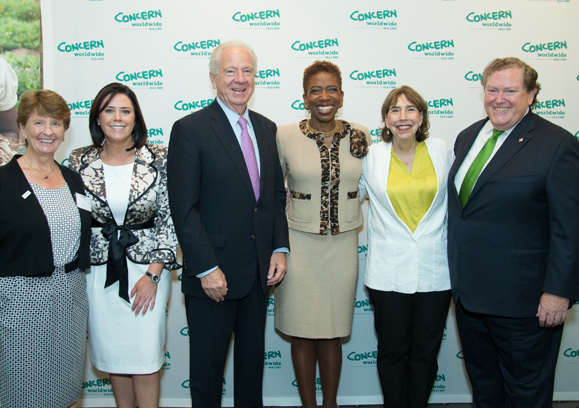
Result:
[
  {"x": 117, "y": 120},
  {"x": 403, "y": 119},
  {"x": 234, "y": 79},
  {"x": 323, "y": 99},
  {"x": 506, "y": 99},
  {"x": 44, "y": 134}
]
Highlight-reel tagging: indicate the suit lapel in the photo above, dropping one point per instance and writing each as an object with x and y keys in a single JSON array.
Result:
[
  {"x": 29, "y": 203},
  {"x": 91, "y": 171},
  {"x": 508, "y": 149},
  {"x": 381, "y": 177},
  {"x": 93, "y": 177},
  {"x": 459, "y": 158},
  {"x": 227, "y": 137},
  {"x": 143, "y": 176}
]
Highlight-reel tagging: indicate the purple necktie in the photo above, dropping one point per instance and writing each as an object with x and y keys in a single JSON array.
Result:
[{"x": 249, "y": 156}]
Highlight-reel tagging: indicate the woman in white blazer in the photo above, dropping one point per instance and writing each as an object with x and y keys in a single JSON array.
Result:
[{"x": 407, "y": 273}]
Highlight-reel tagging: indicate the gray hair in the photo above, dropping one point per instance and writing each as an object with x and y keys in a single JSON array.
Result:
[{"x": 216, "y": 54}]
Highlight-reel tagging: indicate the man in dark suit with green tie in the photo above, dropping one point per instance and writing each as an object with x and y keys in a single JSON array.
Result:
[{"x": 513, "y": 241}]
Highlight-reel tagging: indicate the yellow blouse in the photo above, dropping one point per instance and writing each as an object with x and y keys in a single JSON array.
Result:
[{"x": 411, "y": 194}]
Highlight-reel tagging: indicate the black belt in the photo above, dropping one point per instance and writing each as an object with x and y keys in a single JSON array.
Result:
[
  {"x": 71, "y": 266},
  {"x": 118, "y": 244}
]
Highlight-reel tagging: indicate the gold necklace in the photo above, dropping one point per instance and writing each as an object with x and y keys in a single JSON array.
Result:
[
  {"x": 34, "y": 168},
  {"x": 325, "y": 134}
]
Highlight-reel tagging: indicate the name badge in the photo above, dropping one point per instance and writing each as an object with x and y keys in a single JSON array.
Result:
[
  {"x": 83, "y": 202},
  {"x": 26, "y": 194}
]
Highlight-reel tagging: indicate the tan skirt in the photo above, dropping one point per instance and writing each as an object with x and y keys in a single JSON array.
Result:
[{"x": 316, "y": 298}]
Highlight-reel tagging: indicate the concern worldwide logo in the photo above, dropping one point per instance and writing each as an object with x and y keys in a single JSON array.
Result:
[
  {"x": 363, "y": 306},
  {"x": 365, "y": 358},
  {"x": 166, "y": 365},
  {"x": 379, "y": 78},
  {"x": 141, "y": 20},
  {"x": 192, "y": 105},
  {"x": 258, "y": 20},
  {"x": 553, "y": 109},
  {"x": 100, "y": 386},
  {"x": 381, "y": 19},
  {"x": 440, "y": 49},
  {"x": 80, "y": 108},
  {"x": 318, "y": 384},
  {"x": 146, "y": 79},
  {"x": 153, "y": 135},
  {"x": 492, "y": 20},
  {"x": 363, "y": 249},
  {"x": 376, "y": 135},
  {"x": 441, "y": 108},
  {"x": 298, "y": 105},
  {"x": 268, "y": 78},
  {"x": 196, "y": 48},
  {"x": 90, "y": 50},
  {"x": 570, "y": 353},
  {"x": 325, "y": 48},
  {"x": 271, "y": 306},
  {"x": 438, "y": 385},
  {"x": 474, "y": 78},
  {"x": 554, "y": 51},
  {"x": 272, "y": 359}
]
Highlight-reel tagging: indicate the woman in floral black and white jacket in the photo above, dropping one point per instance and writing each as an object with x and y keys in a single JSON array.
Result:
[{"x": 133, "y": 241}]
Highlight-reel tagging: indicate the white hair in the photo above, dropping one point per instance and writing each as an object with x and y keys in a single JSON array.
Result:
[{"x": 216, "y": 54}]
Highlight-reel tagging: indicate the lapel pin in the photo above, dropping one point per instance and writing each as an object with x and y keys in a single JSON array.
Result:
[{"x": 521, "y": 139}]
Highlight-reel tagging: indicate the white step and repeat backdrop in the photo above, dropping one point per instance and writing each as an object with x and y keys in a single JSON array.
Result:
[{"x": 440, "y": 47}]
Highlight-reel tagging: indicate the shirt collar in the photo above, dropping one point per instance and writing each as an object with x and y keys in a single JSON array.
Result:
[{"x": 233, "y": 116}]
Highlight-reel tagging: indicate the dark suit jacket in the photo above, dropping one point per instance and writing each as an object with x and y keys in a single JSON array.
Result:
[
  {"x": 518, "y": 235},
  {"x": 25, "y": 245},
  {"x": 217, "y": 219}
]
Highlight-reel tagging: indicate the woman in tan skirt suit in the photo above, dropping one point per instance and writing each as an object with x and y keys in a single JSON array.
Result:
[{"x": 322, "y": 161}]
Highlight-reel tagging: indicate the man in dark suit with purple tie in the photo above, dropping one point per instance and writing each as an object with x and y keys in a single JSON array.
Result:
[{"x": 227, "y": 201}]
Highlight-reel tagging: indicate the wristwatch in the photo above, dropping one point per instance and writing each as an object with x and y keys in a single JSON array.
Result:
[{"x": 154, "y": 277}]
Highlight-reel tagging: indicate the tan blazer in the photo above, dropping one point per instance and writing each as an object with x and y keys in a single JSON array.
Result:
[{"x": 323, "y": 183}]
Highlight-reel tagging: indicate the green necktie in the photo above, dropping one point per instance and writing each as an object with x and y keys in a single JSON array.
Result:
[{"x": 477, "y": 166}]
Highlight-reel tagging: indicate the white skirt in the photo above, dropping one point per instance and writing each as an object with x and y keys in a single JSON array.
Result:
[{"x": 119, "y": 341}]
